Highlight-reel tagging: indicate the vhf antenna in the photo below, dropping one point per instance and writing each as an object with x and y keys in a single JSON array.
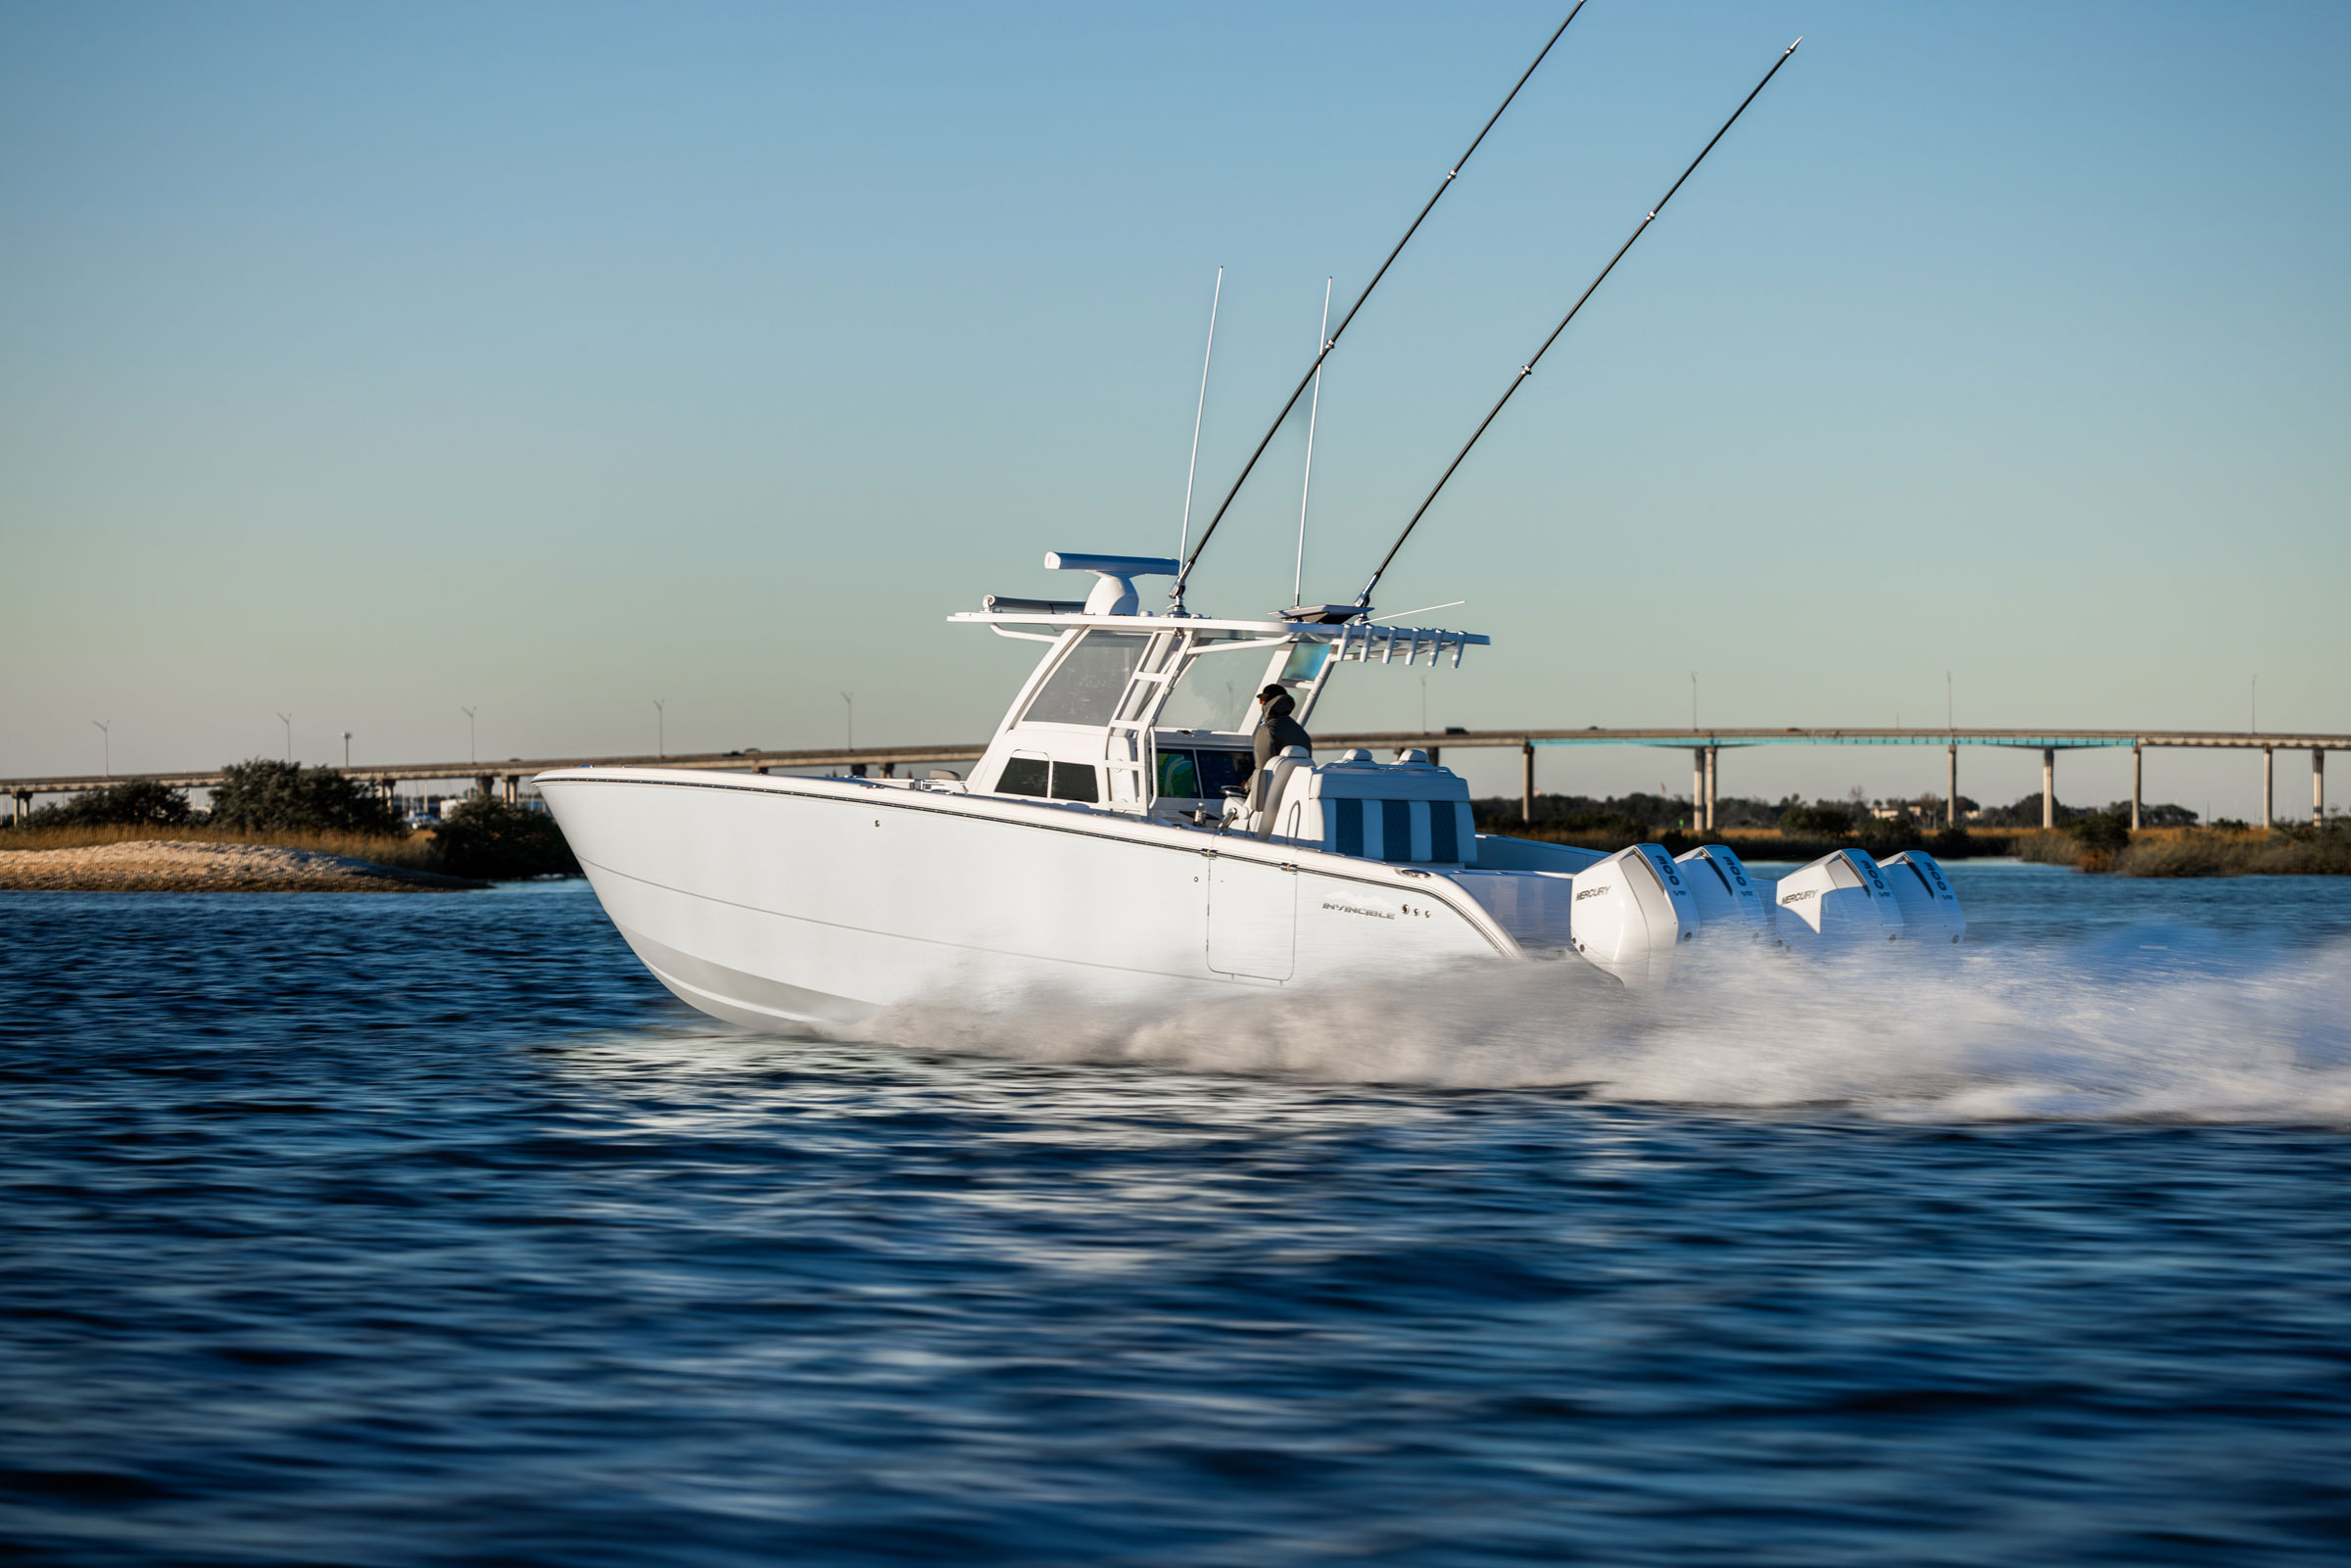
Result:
[
  {"x": 1362, "y": 600},
  {"x": 1198, "y": 410},
  {"x": 1184, "y": 574},
  {"x": 1314, "y": 411}
]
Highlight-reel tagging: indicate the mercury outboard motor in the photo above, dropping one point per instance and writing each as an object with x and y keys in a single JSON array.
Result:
[
  {"x": 1924, "y": 895},
  {"x": 1631, "y": 911},
  {"x": 1729, "y": 900},
  {"x": 1843, "y": 896}
]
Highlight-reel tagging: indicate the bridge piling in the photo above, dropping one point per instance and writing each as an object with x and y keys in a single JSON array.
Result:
[
  {"x": 2318, "y": 785},
  {"x": 1712, "y": 760},
  {"x": 1950, "y": 787},
  {"x": 2049, "y": 786},
  {"x": 2268, "y": 786},
  {"x": 1526, "y": 781},
  {"x": 2136, "y": 793},
  {"x": 1698, "y": 788}
]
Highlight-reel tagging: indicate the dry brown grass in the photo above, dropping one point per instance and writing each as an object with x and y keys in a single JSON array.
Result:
[
  {"x": 411, "y": 851},
  {"x": 2200, "y": 852}
]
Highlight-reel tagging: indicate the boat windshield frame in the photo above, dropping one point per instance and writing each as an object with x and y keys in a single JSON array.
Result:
[{"x": 1129, "y": 748}]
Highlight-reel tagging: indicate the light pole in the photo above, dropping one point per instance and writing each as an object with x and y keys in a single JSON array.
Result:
[
  {"x": 106, "y": 745},
  {"x": 850, "y": 698},
  {"x": 287, "y": 719},
  {"x": 661, "y": 728},
  {"x": 470, "y": 747},
  {"x": 346, "y": 751}
]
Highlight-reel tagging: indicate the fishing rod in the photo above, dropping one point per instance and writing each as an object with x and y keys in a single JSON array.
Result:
[
  {"x": 1364, "y": 599},
  {"x": 1176, "y": 594}
]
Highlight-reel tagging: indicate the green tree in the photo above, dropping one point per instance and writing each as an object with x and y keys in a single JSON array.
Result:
[
  {"x": 263, "y": 795},
  {"x": 1883, "y": 835},
  {"x": 133, "y": 803},
  {"x": 498, "y": 843},
  {"x": 2104, "y": 831},
  {"x": 1823, "y": 821}
]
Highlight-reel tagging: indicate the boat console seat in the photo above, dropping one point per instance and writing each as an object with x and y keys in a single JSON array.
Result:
[{"x": 1402, "y": 812}]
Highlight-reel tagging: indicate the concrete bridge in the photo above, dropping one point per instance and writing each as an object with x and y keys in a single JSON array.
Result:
[{"x": 504, "y": 780}]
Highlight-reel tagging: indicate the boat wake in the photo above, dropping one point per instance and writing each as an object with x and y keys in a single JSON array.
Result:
[{"x": 2148, "y": 1024}]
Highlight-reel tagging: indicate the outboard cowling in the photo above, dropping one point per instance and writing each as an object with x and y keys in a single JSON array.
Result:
[
  {"x": 1839, "y": 896},
  {"x": 1631, "y": 911},
  {"x": 1729, "y": 900},
  {"x": 1924, "y": 895}
]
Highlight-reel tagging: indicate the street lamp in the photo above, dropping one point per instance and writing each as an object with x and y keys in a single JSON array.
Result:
[
  {"x": 470, "y": 747},
  {"x": 661, "y": 728},
  {"x": 107, "y": 746},
  {"x": 287, "y": 719},
  {"x": 346, "y": 751},
  {"x": 850, "y": 698}
]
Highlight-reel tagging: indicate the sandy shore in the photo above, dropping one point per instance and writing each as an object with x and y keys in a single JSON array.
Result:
[{"x": 179, "y": 866}]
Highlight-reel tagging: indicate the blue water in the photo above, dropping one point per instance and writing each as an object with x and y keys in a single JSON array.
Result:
[{"x": 419, "y": 1230}]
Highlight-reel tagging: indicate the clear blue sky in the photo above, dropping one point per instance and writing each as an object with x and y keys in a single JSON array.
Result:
[{"x": 369, "y": 362}]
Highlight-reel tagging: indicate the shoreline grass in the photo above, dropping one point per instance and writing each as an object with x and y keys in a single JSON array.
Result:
[
  {"x": 1767, "y": 844},
  {"x": 2200, "y": 852},
  {"x": 409, "y": 851}
]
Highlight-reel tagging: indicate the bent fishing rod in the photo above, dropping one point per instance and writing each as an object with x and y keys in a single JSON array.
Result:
[
  {"x": 1362, "y": 600},
  {"x": 1176, "y": 594}
]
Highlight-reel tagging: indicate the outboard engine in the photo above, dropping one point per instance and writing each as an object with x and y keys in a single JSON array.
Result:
[
  {"x": 1843, "y": 896},
  {"x": 1728, "y": 898},
  {"x": 1631, "y": 911},
  {"x": 1924, "y": 895}
]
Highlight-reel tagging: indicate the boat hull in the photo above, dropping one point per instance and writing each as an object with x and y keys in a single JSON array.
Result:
[{"x": 777, "y": 903}]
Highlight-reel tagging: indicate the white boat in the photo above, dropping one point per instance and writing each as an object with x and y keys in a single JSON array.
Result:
[{"x": 1105, "y": 846}]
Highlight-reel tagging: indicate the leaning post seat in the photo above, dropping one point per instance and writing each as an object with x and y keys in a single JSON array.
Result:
[{"x": 1406, "y": 811}]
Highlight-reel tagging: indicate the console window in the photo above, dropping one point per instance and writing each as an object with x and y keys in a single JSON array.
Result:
[
  {"x": 1202, "y": 774},
  {"x": 1220, "y": 769},
  {"x": 1179, "y": 774},
  {"x": 1075, "y": 780},
  {"x": 1023, "y": 775}
]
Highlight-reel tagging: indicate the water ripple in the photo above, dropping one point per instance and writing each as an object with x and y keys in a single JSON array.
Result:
[{"x": 437, "y": 1234}]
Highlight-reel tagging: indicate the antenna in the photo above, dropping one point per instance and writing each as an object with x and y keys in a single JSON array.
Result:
[
  {"x": 1176, "y": 594},
  {"x": 1528, "y": 369},
  {"x": 1198, "y": 410},
  {"x": 1313, "y": 409},
  {"x": 1403, "y": 615}
]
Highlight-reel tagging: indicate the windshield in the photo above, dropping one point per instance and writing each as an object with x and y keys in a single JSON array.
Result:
[
  {"x": 1085, "y": 687},
  {"x": 1213, "y": 693}
]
